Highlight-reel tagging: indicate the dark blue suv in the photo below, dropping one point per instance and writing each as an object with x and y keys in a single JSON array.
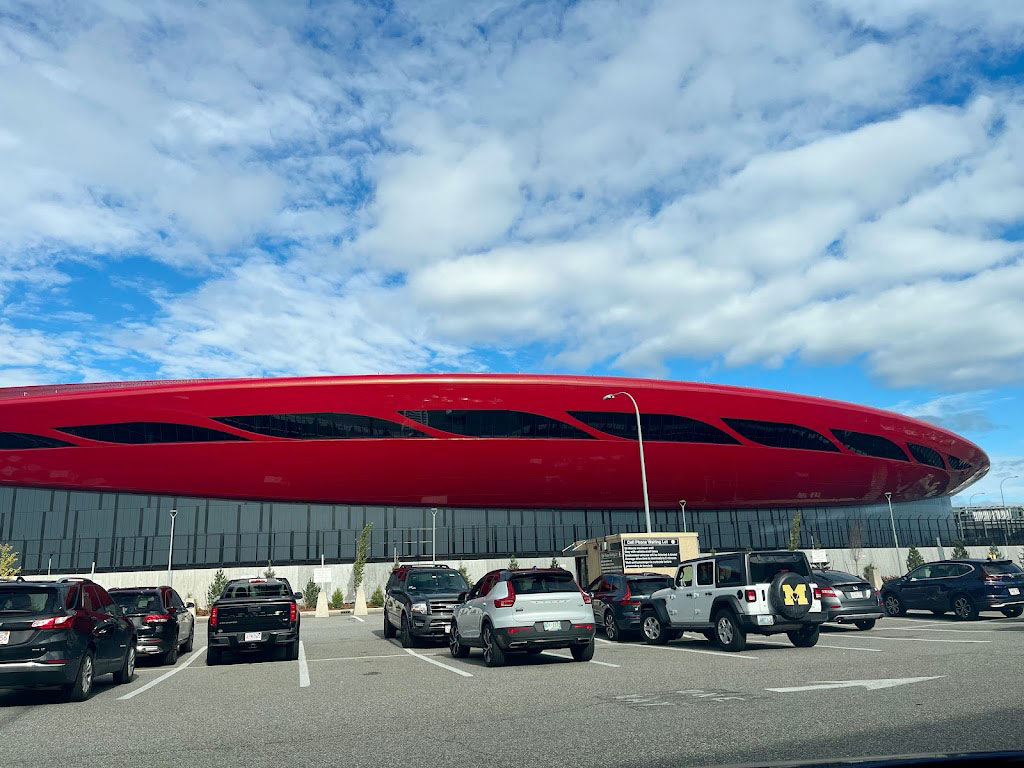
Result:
[
  {"x": 965, "y": 587},
  {"x": 617, "y": 600}
]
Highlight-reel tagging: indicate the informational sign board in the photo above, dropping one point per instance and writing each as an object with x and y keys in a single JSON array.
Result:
[
  {"x": 322, "y": 575},
  {"x": 611, "y": 561},
  {"x": 650, "y": 553}
]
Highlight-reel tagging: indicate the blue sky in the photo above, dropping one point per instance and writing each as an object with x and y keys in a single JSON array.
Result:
[{"x": 819, "y": 198}]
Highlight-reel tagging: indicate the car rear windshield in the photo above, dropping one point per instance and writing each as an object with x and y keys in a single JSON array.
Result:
[
  {"x": 138, "y": 602},
  {"x": 260, "y": 589},
  {"x": 765, "y": 567},
  {"x": 648, "y": 584},
  {"x": 1000, "y": 569},
  {"x": 539, "y": 583},
  {"x": 14, "y": 600},
  {"x": 841, "y": 577},
  {"x": 436, "y": 581}
]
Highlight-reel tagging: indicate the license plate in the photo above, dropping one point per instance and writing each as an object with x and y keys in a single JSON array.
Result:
[
  {"x": 765, "y": 620},
  {"x": 5, "y": 638},
  {"x": 447, "y": 629},
  {"x": 253, "y": 637},
  {"x": 552, "y": 626},
  {"x": 1014, "y": 590},
  {"x": 857, "y": 595}
]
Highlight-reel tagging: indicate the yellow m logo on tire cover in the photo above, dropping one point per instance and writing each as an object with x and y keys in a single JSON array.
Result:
[{"x": 795, "y": 595}]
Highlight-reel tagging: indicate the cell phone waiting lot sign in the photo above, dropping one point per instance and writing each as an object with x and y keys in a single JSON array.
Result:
[{"x": 650, "y": 553}]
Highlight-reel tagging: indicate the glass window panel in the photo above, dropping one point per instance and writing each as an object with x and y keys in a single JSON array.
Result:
[
  {"x": 781, "y": 435},
  {"x": 20, "y": 441},
  {"x": 321, "y": 426},
  {"x": 658, "y": 427},
  {"x": 870, "y": 445},
  {"x": 143, "y": 432},
  {"x": 497, "y": 424}
]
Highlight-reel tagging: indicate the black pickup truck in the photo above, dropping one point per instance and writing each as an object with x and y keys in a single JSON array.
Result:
[{"x": 251, "y": 615}]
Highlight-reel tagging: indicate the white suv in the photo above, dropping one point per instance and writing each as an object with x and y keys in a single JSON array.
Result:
[
  {"x": 727, "y": 596},
  {"x": 528, "y": 610}
]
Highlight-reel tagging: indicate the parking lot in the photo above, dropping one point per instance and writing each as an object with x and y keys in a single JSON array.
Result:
[{"x": 912, "y": 685}]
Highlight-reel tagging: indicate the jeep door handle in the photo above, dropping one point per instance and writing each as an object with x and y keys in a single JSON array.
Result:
[{"x": 709, "y": 593}]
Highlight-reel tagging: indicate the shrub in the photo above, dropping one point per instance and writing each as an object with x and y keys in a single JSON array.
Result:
[
  {"x": 994, "y": 553},
  {"x": 362, "y": 554},
  {"x": 960, "y": 550},
  {"x": 311, "y": 593},
  {"x": 914, "y": 559},
  {"x": 269, "y": 573},
  {"x": 869, "y": 572},
  {"x": 9, "y": 567},
  {"x": 794, "y": 532},
  {"x": 465, "y": 572},
  {"x": 554, "y": 563},
  {"x": 336, "y": 601},
  {"x": 513, "y": 563},
  {"x": 377, "y": 598},
  {"x": 216, "y": 586}
]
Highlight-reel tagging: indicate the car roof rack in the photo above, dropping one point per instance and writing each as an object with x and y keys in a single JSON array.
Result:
[
  {"x": 74, "y": 580},
  {"x": 400, "y": 566}
]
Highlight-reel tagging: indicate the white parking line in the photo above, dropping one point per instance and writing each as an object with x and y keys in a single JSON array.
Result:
[
  {"x": 361, "y": 621},
  {"x": 697, "y": 650},
  {"x": 606, "y": 642},
  {"x": 303, "y": 667},
  {"x": 163, "y": 677},
  {"x": 357, "y": 658},
  {"x": 592, "y": 661},
  {"x": 429, "y": 660},
  {"x": 936, "y": 629},
  {"x": 851, "y": 648},
  {"x": 918, "y": 639}
]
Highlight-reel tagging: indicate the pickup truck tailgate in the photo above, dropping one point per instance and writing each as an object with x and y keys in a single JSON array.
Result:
[{"x": 254, "y": 616}]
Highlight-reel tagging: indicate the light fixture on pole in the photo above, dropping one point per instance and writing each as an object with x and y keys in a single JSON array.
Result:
[
  {"x": 970, "y": 501},
  {"x": 892, "y": 519},
  {"x": 640, "y": 440},
  {"x": 170, "y": 549},
  {"x": 433, "y": 535},
  {"x": 1002, "y": 498},
  {"x": 682, "y": 508}
]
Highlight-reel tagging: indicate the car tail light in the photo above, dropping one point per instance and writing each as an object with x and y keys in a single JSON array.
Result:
[
  {"x": 517, "y": 630},
  {"x": 213, "y": 617},
  {"x": 826, "y": 592},
  {"x": 156, "y": 618},
  {"x": 586, "y": 598},
  {"x": 56, "y": 622},
  {"x": 751, "y": 595},
  {"x": 506, "y": 602},
  {"x": 817, "y": 593},
  {"x": 293, "y": 611},
  {"x": 583, "y": 626},
  {"x": 625, "y": 598},
  {"x": 257, "y": 581}
]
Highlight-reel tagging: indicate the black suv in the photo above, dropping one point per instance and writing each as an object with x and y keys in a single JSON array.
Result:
[
  {"x": 62, "y": 633},
  {"x": 419, "y": 601},
  {"x": 964, "y": 587},
  {"x": 618, "y": 598},
  {"x": 162, "y": 621}
]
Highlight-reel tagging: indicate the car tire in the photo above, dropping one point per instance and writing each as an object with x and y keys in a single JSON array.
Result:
[
  {"x": 583, "y": 652},
  {"x": 653, "y": 630},
  {"x": 611, "y": 629},
  {"x": 170, "y": 657},
  {"x": 1012, "y": 613},
  {"x": 455, "y": 645},
  {"x": 81, "y": 689},
  {"x": 729, "y": 635},
  {"x": 189, "y": 644},
  {"x": 964, "y": 608},
  {"x": 494, "y": 656},
  {"x": 405, "y": 635},
  {"x": 805, "y": 638},
  {"x": 127, "y": 670},
  {"x": 293, "y": 650},
  {"x": 864, "y": 624},
  {"x": 709, "y": 635},
  {"x": 213, "y": 656},
  {"x": 893, "y": 605},
  {"x": 389, "y": 628}
]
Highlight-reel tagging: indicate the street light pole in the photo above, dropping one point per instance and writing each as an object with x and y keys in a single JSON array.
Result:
[
  {"x": 892, "y": 519},
  {"x": 170, "y": 549},
  {"x": 970, "y": 501},
  {"x": 682, "y": 507},
  {"x": 643, "y": 467},
  {"x": 433, "y": 535},
  {"x": 1002, "y": 498}
]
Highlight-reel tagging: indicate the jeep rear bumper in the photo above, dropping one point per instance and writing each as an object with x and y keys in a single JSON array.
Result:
[{"x": 780, "y": 623}]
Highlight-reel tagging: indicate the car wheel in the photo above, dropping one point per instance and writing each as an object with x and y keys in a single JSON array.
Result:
[
  {"x": 865, "y": 624},
  {"x": 455, "y": 646},
  {"x": 653, "y": 629},
  {"x": 611, "y": 629},
  {"x": 171, "y": 656},
  {"x": 1012, "y": 613},
  {"x": 389, "y": 628},
  {"x": 493, "y": 655},
  {"x": 405, "y": 634},
  {"x": 729, "y": 635},
  {"x": 583, "y": 652},
  {"x": 893, "y": 605},
  {"x": 127, "y": 670},
  {"x": 212, "y": 656},
  {"x": 81, "y": 689},
  {"x": 964, "y": 608},
  {"x": 805, "y": 638},
  {"x": 191, "y": 642},
  {"x": 293, "y": 650}
]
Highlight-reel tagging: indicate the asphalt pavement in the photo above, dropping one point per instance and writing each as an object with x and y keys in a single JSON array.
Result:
[{"x": 912, "y": 685}]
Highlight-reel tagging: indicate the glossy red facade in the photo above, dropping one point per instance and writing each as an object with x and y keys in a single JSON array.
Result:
[{"x": 449, "y": 470}]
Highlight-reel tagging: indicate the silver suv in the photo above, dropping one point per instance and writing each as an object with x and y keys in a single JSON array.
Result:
[
  {"x": 727, "y": 596},
  {"x": 529, "y": 610}
]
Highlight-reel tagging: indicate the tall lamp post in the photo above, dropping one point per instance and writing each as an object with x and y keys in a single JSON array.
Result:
[
  {"x": 170, "y": 549},
  {"x": 1002, "y": 498},
  {"x": 433, "y": 535},
  {"x": 892, "y": 519},
  {"x": 640, "y": 440},
  {"x": 682, "y": 508},
  {"x": 970, "y": 501}
]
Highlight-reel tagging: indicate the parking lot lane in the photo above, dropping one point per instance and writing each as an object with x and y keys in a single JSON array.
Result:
[
  {"x": 359, "y": 619},
  {"x": 867, "y": 636},
  {"x": 568, "y": 656},
  {"x": 850, "y": 648},
  {"x": 437, "y": 663},
  {"x": 168, "y": 674},
  {"x": 303, "y": 667}
]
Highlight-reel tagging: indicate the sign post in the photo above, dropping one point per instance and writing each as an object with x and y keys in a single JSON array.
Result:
[{"x": 322, "y": 576}]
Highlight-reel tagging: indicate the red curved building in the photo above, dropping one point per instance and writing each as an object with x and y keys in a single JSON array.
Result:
[{"x": 518, "y": 441}]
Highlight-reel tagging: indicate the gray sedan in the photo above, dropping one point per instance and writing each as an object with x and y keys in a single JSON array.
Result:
[{"x": 848, "y": 599}]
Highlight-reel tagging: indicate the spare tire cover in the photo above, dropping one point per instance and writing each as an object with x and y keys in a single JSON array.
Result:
[{"x": 791, "y": 595}]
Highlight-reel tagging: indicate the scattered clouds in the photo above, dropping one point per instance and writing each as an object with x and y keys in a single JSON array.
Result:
[{"x": 960, "y": 412}]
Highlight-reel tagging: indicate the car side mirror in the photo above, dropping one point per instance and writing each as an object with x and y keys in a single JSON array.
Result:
[
  {"x": 297, "y": 595},
  {"x": 190, "y": 605},
  {"x": 462, "y": 597}
]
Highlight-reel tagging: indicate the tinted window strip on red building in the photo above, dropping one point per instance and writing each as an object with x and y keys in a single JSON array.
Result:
[
  {"x": 780, "y": 435},
  {"x": 926, "y": 455},
  {"x": 20, "y": 441},
  {"x": 321, "y": 426},
  {"x": 663, "y": 427},
  {"x": 147, "y": 432},
  {"x": 870, "y": 445},
  {"x": 497, "y": 424}
]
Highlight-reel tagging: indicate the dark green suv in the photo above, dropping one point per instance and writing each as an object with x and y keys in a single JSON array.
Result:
[{"x": 419, "y": 601}]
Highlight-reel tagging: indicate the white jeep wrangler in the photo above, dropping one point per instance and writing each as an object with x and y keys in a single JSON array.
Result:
[{"x": 727, "y": 596}]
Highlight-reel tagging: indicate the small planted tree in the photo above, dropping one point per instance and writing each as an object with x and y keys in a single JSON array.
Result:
[
  {"x": 794, "y": 532},
  {"x": 960, "y": 550},
  {"x": 9, "y": 567},
  {"x": 377, "y": 598},
  {"x": 310, "y": 594},
  {"x": 269, "y": 573},
  {"x": 869, "y": 572},
  {"x": 464, "y": 571},
  {"x": 554, "y": 563},
  {"x": 513, "y": 563},
  {"x": 216, "y": 586},
  {"x": 362, "y": 554},
  {"x": 856, "y": 544},
  {"x": 914, "y": 559},
  {"x": 994, "y": 553},
  {"x": 336, "y": 601}
]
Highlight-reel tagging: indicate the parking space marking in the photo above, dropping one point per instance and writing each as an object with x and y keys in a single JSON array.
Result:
[
  {"x": 303, "y": 667},
  {"x": 851, "y": 648},
  {"x": 606, "y": 642},
  {"x": 697, "y": 650},
  {"x": 429, "y": 660},
  {"x": 592, "y": 661},
  {"x": 361, "y": 621},
  {"x": 357, "y": 658},
  {"x": 163, "y": 677},
  {"x": 918, "y": 639},
  {"x": 937, "y": 629}
]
